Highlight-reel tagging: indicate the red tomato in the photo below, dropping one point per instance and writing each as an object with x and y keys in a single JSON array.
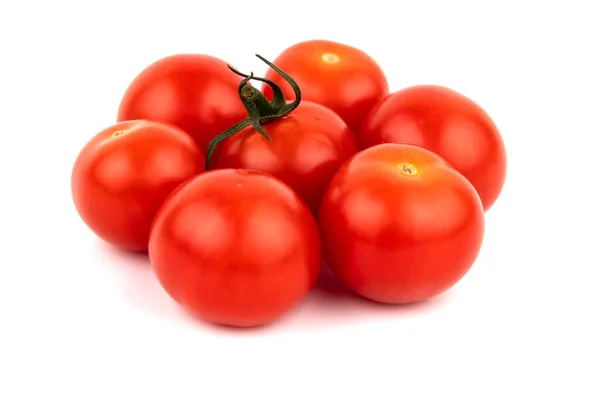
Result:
[
  {"x": 447, "y": 123},
  {"x": 195, "y": 92},
  {"x": 338, "y": 76},
  {"x": 307, "y": 148},
  {"x": 400, "y": 225},
  {"x": 124, "y": 173},
  {"x": 236, "y": 247}
]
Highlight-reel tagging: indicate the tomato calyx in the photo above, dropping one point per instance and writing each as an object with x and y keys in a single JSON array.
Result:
[
  {"x": 408, "y": 169},
  {"x": 119, "y": 132},
  {"x": 259, "y": 109}
]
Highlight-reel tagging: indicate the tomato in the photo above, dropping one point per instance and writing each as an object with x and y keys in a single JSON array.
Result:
[
  {"x": 123, "y": 174},
  {"x": 340, "y": 77},
  {"x": 447, "y": 123},
  {"x": 236, "y": 247},
  {"x": 308, "y": 146},
  {"x": 399, "y": 224},
  {"x": 194, "y": 92}
]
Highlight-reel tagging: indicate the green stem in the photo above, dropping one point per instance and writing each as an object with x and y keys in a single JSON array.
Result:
[
  {"x": 297, "y": 93},
  {"x": 259, "y": 109},
  {"x": 278, "y": 97}
]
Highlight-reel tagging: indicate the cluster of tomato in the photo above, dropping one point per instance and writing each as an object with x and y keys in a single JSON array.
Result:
[{"x": 239, "y": 187}]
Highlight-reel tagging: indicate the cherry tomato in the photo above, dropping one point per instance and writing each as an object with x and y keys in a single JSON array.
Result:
[
  {"x": 399, "y": 224},
  {"x": 340, "y": 77},
  {"x": 124, "y": 173},
  {"x": 447, "y": 123},
  {"x": 236, "y": 247},
  {"x": 194, "y": 92},
  {"x": 307, "y": 148}
]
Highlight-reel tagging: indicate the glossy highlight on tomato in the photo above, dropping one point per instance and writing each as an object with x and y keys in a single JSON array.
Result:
[
  {"x": 123, "y": 174},
  {"x": 447, "y": 123},
  {"x": 194, "y": 92},
  {"x": 236, "y": 247},
  {"x": 399, "y": 224},
  {"x": 307, "y": 148},
  {"x": 335, "y": 75}
]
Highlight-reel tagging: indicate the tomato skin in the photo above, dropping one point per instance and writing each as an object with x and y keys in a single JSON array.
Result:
[
  {"x": 398, "y": 238},
  {"x": 194, "y": 92},
  {"x": 307, "y": 148},
  {"x": 119, "y": 183},
  {"x": 447, "y": 123},
  {"x": 236, "y": 247},
  {"x": 340, "y": 77}
]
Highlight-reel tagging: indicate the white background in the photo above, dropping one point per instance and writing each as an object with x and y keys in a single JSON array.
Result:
[{"x": 81, "y": 320}]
